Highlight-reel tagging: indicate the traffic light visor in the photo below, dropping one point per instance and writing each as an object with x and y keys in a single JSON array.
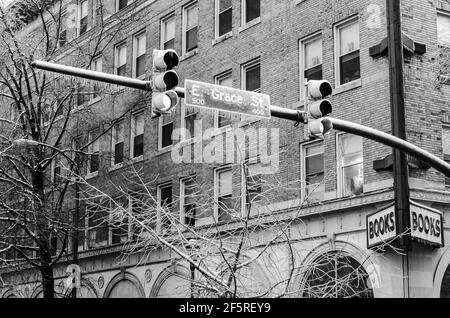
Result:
[{"x": 319, "y": 89}]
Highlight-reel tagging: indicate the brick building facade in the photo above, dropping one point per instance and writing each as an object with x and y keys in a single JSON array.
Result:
[{"x": 268, "y": 47}]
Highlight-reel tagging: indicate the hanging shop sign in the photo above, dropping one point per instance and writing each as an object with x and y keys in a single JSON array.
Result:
[
  {"x": 381, "y": 227},
  {"x": 426, "y": 225}
]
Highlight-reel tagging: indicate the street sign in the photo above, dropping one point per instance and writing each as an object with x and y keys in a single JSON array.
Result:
[
  {"x": 426, "y": 225},
  {"x": 199, "y": 94},
  {"x": 381, "y": 227}
]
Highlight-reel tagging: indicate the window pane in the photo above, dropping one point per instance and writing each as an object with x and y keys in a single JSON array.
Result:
[
  {"x": 224, "y": 119},
  {"x": 225, "y": 22},
  {"x": 138, "y": 124},
  {"x": 189, "y": 214},
  {"x": 94, "y": 163},
  {"x": 119, "y": 132},
  {"x": 166, "y": 135},
  {"x": 84, "y": 9},
  {"x": 83, "y": 25},
  {"x": 349, "y": 38},
  {"x": 350, "y": 67},
  {"x": 118, "y": 153},
  {"x": 191, "y": 39},
  {"x": 224, "y": 4},
  {"x": 443, "y": 28},
  {"x": 353, "y": 180},
  {"x": 169, "y": 45},
  {"x": 191, "y": 17},
  {"x": 314, "y": 164},
  {"x": 190, "y": 125},
  {"x": 122, "y": 4},
  {"x": 313, "y": 53},
  {"x": 253, "y": 78},
  {"x": 140, "y": 65},
  {"x": 446, "y": 140},
  {"x": 225, "y": 182},
  {"x": 225, "y": 208},
  {"x": 121, "y": 55},
  {"x": 252, "y": 10},
  {"x": 349, "y": 144},
  {"x": 140, "y": 45},
  {"x": 226, "y": 80},
  {"x": 138, "y": 146},
  {"x": 169, "y": 29}
]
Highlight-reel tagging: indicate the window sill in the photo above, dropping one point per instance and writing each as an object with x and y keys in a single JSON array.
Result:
[
  {"x": 162, "y": 151},
  {"x": 249, "y": 24},
  {"x": 116, "y": 167},
  {"x": 219, "y": 131},
  {"x": 185, "y": 56},
  {"x": 91, "y": 175},
  {"x": 348, "y": 86},
  {"x": 186, "y": 142},
  {"x": 222, "y": 38},
  {"x": 92, "y": 101},
  {"x": 248, "y": 121},
  {"x": 137, "y": 159},
  {"x": 298, "y": 1}
]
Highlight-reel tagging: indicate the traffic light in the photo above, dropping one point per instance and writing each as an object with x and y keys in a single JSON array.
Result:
[
  {"x": 164, "y": 80},
  {"x": 319, "y": 106}
]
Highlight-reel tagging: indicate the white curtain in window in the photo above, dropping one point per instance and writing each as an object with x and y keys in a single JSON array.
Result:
[
  {"x": 349, "y": 38},
  {"x": 225, "y": 182},
  {"x": 169, "y": 29},
  {"x": 313, "y": 53},
  {"x": 191, "y": 17},
  {"x": 443, "y": 27}
]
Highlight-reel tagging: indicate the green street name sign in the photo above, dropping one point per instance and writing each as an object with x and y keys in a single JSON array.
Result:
[{"x": 199, "y": 94}]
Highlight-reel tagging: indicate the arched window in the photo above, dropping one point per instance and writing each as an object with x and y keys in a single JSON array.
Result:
[
  {"x": 336, "y": 275},
  {"x": 445, "y": 287},
  {"x": 124, "y": 285},
  {"x": 175, "y": 286}
]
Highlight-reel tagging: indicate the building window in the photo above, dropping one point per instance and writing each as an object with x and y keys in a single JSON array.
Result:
[
  {"x": 347, "y": 49},
  {"x": 83, "y": 17},
  {"x": 350, "y": 164},
  {"x": 446, "y": 149},
  {"x": 118, "y": 137},
  {"x": 82, "y": 98},
  {"x": 311, "y": 60},
  {"x": 94, "y": 151},
  {"x": 251, "y": 76},
  {"x": 224, "y": 17},
  {"x": 139, "y": 53},
  {"x": 137, "y": 135},
  {"x": 168, "y": 33},
  {"x": 98, "y": 220},
  {"x": 251, "y": 183},
  {"x": 121, "y": 4},
  {"x": 223, "y": 119},
  {"x": 119, "y": 223},
  {"x": 96, "y": 66},
  {"x": 223, "y": 194},
  {"x": 313, "y": 185},
  {"x": 187, "y": 201},
  {"x": 190, "y": 28},
  {"x": 188, "y": 115},
  {"x": 62, "y": 40},
  {"x": 121, "y": 60},
  {"x": 165, "y": 132},
  {"x": 251, "y": 9},
  {"x": 336, "y": 275},
  {"x": 164, "y": 194},
  {"x": 443, "y": 28},
  {"x": 56, "y": 171}
]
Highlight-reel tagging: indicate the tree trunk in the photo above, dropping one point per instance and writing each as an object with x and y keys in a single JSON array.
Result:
[{"x": 48, "y": 282}]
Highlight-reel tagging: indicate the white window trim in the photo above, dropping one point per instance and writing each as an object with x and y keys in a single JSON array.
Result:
[
  {"x": 244, "y": 68},
  {"x": 128, "y": 4},
  {"x": 217, "y": 79},
  {"x": 132, "y": 126},
  {"x": 339, "y": 167},
  {"x": 116, "y": 55},
  {"x": 217, "y": 171},
  {"x": 183, "y": 123},
  {"x": 216, "y": 21},
  {"x": 133, "y": 66},
  {"x": 244, "y": 11},
  {"x": 303, "y": 166},
  {"x": 336, "y": 28},
  {"x": 158, "y": 198},
  {"x": 160, "y": 132},
  {"x": 302, "y": 45},
  {"x": 447, "y": 14},
  {"x": 113, "y": 145},
  {"x": 90, "y": 174},
  {"x": 184, "y": 27},
  {"x": 79, "y": 17},
  {"x": 163, "y": 28}
]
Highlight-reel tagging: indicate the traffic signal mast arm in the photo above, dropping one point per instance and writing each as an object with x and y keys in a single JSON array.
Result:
[{"x": 279, "y": 112}]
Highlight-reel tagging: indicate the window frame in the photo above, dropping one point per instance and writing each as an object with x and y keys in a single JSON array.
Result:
[
  {"x": 161, "y": 125},
  {"x": 159, "y": 188},
  {"x": 217, "y": 79},
  {"x": 244, "y": 13},
  {"x": 355, "y": 19},
  {"x": 114, "y": 143},
  {"x": 81, "y": 17},
  {"x": 446, "y": 14},
  {"x": 117, "y": 48},
  {"x": 217, "y": 14},
  {"x": 183, "y": 125},
  {"x": 183, "y": 182},
  {"x": 185, "y": 30},
  {"x": 303, "y": 185},
  {"x": 302, "y": 59},
  {"x": 217, "y": 172},
  {"x": 132, "y": 136},
  {"x": 340, "y": 167},
  {"x": 244, "y": 69},
  {"x": 136, "y": 36},
  {"x": 95, "y": 144},
  {"x": 164, "y": 20}
]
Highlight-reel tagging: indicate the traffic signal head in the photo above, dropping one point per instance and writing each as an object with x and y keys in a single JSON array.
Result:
[
  {"x": 164, "y": 80},
  {"x": 319, "y": 107}
]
